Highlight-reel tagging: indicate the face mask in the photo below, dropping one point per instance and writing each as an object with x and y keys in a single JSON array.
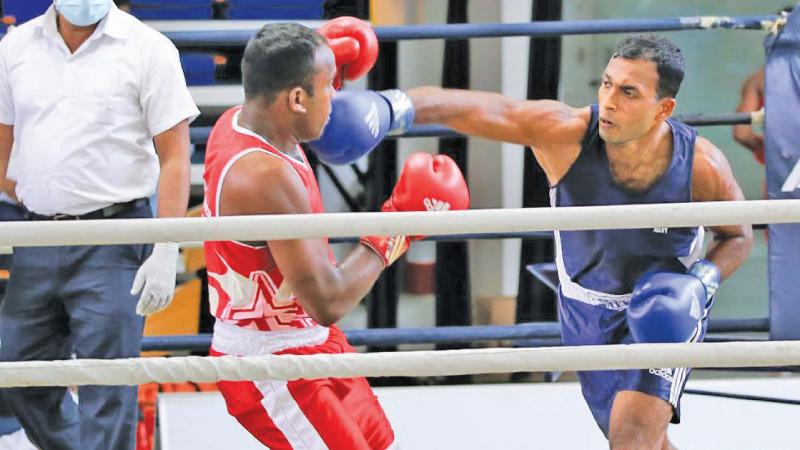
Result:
[{"x": 83, "y": 13}]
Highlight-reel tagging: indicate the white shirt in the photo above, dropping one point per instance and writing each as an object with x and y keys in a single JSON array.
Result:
[{"x": 84, "y": 122}]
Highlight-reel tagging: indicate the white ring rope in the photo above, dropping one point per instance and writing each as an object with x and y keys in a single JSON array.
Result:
[
  {"x": 757, "y": 117},
  {"x": 255, "y": 228},
  {"x": 423, "y": 363}
]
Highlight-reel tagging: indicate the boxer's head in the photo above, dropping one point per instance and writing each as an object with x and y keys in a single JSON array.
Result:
[
  {"x": 290, "y": 67},
  {"x": 638, "y": 88}
]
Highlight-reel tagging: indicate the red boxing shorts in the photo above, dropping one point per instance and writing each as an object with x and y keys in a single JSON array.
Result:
[{"x": 329, "y": 413}]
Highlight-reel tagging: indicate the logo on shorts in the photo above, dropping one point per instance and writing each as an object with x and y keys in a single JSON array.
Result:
[
  {"x": 432, "y": 204},
  {"x": 663, "y": 373},
  {"x": 373, "y": 121},
  {"x": 660, "y": 230}
]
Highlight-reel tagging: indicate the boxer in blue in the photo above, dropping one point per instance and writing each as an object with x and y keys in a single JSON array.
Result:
[{"x": 620, "y": 286}]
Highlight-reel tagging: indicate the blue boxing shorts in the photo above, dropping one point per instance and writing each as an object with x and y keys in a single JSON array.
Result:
[{"x": 584, "y": 323}]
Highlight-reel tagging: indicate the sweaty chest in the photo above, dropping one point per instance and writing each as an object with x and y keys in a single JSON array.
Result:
[{"x": 637, "y": 176}]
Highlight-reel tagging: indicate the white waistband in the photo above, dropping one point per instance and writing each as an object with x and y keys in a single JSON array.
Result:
[
  {"x": 237, "y": 341},
  {"x": 577, "y": 292},
  {"x": 588, "y": 296}
]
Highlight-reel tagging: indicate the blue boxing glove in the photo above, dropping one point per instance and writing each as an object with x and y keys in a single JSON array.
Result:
[
  {"x": 359, "y": 121},
  {"x": 667, "y": 306}
]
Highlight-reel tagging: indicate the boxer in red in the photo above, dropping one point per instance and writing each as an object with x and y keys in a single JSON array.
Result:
[{"x": 284, "y": 297}]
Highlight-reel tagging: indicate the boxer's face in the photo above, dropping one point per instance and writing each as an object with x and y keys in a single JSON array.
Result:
[
  {"x": 319, "y": 104},
  {"x": 629, "y": 102}
]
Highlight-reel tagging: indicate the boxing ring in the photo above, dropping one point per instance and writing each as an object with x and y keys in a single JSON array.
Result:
[
  {"x": 539, "y": 347},
  {"x": 502, "y": 406}
]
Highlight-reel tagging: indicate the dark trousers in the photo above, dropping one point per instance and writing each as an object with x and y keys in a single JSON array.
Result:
[
  {"x": 8, "y": 212},
  {"x": 74, "y": 300}
]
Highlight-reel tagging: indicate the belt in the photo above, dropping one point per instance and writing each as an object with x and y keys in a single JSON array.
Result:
[{"x": 102, "y": 213}]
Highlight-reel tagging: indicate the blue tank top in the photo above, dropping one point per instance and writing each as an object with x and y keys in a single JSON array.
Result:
[{"x": 610, "y": 261}]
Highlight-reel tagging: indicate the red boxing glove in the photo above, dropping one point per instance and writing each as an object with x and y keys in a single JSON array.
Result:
[
  {"x": 354, "y": 45},
  {"x": 427, "y": 183}
]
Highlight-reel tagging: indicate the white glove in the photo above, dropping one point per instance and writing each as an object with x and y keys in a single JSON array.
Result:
[{"x": 157, "y": 276}]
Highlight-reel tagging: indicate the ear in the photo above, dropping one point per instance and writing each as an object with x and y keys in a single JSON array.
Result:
[
  {"x": 297, "y": 100},
  {"x": 666, "y": 108}
]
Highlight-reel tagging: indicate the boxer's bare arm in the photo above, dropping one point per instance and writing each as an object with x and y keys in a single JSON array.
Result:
[
  {"x": 262, "y": 184},
  {"x": 712, "y": 180},
  {"x": 543, "y": 124},
  {"x": 553, "y": 129}
]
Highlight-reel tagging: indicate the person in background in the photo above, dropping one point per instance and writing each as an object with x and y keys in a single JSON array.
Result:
[{"x": 752, "y": 100}]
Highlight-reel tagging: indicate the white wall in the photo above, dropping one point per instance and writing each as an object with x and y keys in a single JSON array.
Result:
[{"x": 514, "y": 84}]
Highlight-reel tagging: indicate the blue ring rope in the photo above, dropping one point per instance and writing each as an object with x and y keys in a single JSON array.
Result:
[
  {"x": 238, "y": 38},
  {"x": 536, "y": 331}
]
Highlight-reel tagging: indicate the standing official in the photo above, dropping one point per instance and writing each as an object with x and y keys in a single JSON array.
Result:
[{"x": 96, "y": 107}]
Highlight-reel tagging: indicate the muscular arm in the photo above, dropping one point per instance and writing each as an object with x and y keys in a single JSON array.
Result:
[
  {"x": 172, "y": 147},
  {"x": 752, "y": 93},
  {"x": 262, "y": 184},
  {"x": 553, "y": 129},
  {"x": 712, "y": 180},
  {"x": 544, "y": 124}
]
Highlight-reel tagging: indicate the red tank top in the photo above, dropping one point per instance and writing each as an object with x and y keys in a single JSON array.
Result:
[{"x": 243, "y": 279}]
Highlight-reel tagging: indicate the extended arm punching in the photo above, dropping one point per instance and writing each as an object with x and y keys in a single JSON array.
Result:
[{"x": 542, "y": 124}]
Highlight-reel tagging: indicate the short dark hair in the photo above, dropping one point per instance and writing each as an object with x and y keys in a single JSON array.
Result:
[
  {"x": 280, "y": 56},
  {"x": 663, "y": 52}
]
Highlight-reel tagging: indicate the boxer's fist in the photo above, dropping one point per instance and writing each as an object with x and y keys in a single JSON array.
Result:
[
  {"x": 429, "y": 183},
  {"x": 354, "y": 45},
  {"x": 360, "y": 120},
  {"x": 666, "y": 307},
  {"x": 426, "y": 183}
]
